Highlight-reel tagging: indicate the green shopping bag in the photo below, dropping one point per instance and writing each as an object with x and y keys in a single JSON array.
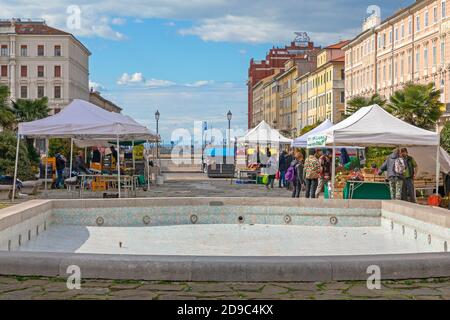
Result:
[{"x": 265, "y": 179}]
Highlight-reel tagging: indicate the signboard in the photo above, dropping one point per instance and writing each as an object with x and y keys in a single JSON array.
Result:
[
  {"x": 318, "y": 141},
  {"x": 138, "y": 152}
]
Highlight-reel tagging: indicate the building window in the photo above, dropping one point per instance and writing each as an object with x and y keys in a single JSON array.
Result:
[
  {"x": 418, "y": 23},
  {"x": 409, "y": 61},
  {"x": 23, "y": 71},
  {"x": 40, "y": 71},
  {"x": 417, "y": 59},
  {"x": 4, "y": 71},
  {"x": 425, "y": 56},
  {"x": 390, "y": 36},
  {"x": 57, "y": 71},
  {"x": 24, "y": 92},
  {"x": 342, "y": 96},
  {"x": 434, "y": 54},
  {"x": 40, "y": 50},
  {"x": 409, "y": 26},
  {"x": 435, "y": 14},
  {"x": 442, "y": 51},
  {"x": 4, "y": 50},
  {"x": 403, "y": 31},
  {"x": 443, "y": 9},
  {"x": 57, "y": 51},
  {"x": 396, "y": 34},
  {"x": 40, "y": 92},
  {"x": 402, "y": 66},
  {"x": 57, "y": 92},
  {"x": 426, "y": 19},
  {"x": 23, "y": 51}
]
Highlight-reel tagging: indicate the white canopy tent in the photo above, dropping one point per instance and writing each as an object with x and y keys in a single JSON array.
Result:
[
  {"x": 83, "y": 120},
  {"x": 263, "y": 133},
  {"x": 302, "y": 141},
  {"x": 374, "y": 126}
]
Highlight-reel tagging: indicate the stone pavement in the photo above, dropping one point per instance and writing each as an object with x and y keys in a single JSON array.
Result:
[
  {"x": 38, "y": 288},
  {"x": 188, "y": 185}
]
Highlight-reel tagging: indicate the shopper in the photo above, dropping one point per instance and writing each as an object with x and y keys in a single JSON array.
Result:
[
  {"x": 298, "y": 181},
  {"x": 79, "y": 165},
  {"x": 288, "y": 159},
  {"x": 282, "y": 167},
  {"x": 311, "y": 173},
  {"x": 395, "y": 168},
  {"x": 60, "y": 166},
  {"x": 408, "y": 191},
  {"x": 270, "y": 169},
  {"x": 325, "y": 171}
]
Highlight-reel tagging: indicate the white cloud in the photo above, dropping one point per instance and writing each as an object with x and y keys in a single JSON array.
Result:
[
  {"x": 156, "y": 83},
  {"x": 170, "y": 24},
  {"x": 239, "y": 29},
  {"x": 212, "y": 20},
  {"x": 134, "y": 78},
  {"x": 118, "y": 21},
  {"x": 200, "y": 83}
]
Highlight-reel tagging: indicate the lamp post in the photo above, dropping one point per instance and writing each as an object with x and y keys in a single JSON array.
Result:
[
  {"x": 157, "y": 114},
  {"x": 229, "y": 116}
]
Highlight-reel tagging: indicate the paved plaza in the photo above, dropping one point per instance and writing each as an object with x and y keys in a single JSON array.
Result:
[
  {"x": 37, "y": 288},
  {"x": 197, "y": 185}
]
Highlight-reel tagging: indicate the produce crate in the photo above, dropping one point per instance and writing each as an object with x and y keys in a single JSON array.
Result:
[{"x": 98, "y": 186}]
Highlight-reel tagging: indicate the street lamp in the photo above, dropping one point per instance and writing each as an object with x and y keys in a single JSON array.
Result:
[
  {"x": 229, "y": 116},
  {"x": 157, "y": 114}
]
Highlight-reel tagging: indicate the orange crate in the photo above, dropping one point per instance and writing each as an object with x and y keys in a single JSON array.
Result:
[{"x": 98, "y": 186}]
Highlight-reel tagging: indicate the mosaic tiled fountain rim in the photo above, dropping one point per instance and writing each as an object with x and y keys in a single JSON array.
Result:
[{"x": 195, "y": 268}]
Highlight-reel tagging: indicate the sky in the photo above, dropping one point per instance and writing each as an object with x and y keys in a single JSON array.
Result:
[{"x": 189, "y": 58}]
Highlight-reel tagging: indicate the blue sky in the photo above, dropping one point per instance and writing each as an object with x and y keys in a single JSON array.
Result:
[{"x": 189, "y": 59}]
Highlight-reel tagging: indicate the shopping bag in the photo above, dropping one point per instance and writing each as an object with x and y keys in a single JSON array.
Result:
[
  {"x": 265, "y": 179},
  {"x": 277, "y": 176}
]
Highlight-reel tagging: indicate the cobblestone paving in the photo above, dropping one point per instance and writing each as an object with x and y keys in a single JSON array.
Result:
[{"x": 39, "y": 288}]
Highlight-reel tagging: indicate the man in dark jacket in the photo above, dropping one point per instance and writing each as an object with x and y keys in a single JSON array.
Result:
[
  {"x": 288, "y": 158},
  {"x": 408, "y": 193},
  {"x": 394, "y": 166},
  {"x": 60, "y": 165},
  {"x": 297, "y": 164},
  {"x": 282, "y": 167}
]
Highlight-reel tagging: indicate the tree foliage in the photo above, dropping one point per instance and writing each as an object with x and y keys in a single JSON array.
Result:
[
  {"x": 30, "y": 110},
  {"x": 445, "y": 137},
  {"x": 8, "y": 142},
  {"x": 359, "y": 102},
  {"x": 417, "y": 104}
]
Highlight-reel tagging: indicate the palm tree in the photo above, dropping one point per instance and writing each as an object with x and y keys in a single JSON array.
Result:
[
  {"x": 417, "y": 104},
  {"x": 359, "y": 102},
  {"x": 7, "y": 116},
  {"x": 29, "y": 110}
]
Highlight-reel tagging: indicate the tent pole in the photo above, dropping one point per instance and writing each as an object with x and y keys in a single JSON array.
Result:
[
  {"x": 118, "y": 164},
  {"x": 15, "y": 167},
  {"x": 71, "y": 157},
  {"x": 333, "y": 172},
  {"x": 437, "y": 168},
  {"x": 147, "y": 157},
  {"x": 46, "y": 165},
  {"x": 132, "y": 154}
]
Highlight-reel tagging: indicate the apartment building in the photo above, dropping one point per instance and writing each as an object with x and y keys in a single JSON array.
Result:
[
  {"x": 410, "y": 46},
  {"x": 37, "y": 60},
  {"x": 320, "y": 93},
  {"x": 275, "y": 61}
]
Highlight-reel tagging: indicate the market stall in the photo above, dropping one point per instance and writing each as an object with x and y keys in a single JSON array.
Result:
[
  {"x": 302, "y": 141},
  {"x": 82, "y": 120},
  {"x": 373, "y": 126},
  {"x": 256, "y": 141}
]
